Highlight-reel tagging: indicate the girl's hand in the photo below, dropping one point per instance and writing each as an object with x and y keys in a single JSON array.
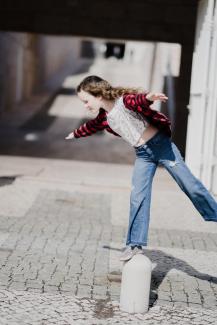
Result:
[
  {"x": 156, "y": 96},
  {"x": 70, "y": 136}
]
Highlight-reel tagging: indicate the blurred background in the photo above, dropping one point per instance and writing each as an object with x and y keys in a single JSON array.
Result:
[
  {"x": 41, "y": 74},
  {"x": 46, "y": 50}
]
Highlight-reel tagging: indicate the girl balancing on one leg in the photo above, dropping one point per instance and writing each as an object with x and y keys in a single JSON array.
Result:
[{"x": 126, "y": 112}]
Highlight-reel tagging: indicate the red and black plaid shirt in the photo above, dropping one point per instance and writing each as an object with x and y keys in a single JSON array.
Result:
[{"x": 135, "y": 102}]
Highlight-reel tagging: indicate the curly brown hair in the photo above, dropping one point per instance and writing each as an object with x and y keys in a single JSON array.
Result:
[{"x": 97, "y": 86}]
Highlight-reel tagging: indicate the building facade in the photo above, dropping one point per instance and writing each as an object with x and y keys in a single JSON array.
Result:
[{"x": 201, "y": 142}]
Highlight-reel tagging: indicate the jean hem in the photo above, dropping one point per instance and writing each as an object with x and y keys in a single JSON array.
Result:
[
  {"x": 136, "y": 243},
  {"x": 210, "y": 219}
]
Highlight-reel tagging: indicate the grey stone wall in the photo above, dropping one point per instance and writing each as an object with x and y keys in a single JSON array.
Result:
[
  {"x": 31, "y": 63},
  {"x": 58, "y": 57}
]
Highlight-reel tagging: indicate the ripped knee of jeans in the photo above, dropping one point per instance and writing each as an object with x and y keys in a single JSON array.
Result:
[{"x": 173, "y": 163}]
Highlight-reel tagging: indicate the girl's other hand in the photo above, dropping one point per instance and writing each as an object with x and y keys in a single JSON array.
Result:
[
  {"x": 70, "y": 136},
  {"x": 157, "y": 96}
]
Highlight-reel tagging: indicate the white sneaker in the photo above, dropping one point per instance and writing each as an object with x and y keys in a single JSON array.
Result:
[{"x": 128, "y": 253}]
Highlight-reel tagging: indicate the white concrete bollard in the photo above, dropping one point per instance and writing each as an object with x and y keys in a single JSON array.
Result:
[{"x": 135, "y": 284}]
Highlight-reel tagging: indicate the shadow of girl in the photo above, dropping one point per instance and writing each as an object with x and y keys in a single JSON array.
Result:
[{"x": 165, "y": 263}]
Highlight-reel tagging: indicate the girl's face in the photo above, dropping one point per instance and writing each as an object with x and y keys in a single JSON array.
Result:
[{"x": 92, "y": 103}]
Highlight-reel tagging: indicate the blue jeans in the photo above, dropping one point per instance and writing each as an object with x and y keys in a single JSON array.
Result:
[{"x": 160, "y": 150}]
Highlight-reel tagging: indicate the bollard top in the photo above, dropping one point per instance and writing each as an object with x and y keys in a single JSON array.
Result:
[{"x": 138, "y": 261}]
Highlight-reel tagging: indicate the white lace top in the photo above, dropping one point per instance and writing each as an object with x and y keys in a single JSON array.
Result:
[{"x": 128, "y": 124}]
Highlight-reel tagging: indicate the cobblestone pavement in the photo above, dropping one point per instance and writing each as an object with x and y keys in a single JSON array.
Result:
[
  {"x": 202, "y": 241},
  {"x": 58, "y": 245},
  {"x": 19, "y": 307},
  {"x": 54, "y": 266}
]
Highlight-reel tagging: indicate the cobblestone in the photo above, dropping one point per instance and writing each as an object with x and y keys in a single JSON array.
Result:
[
  {"x": 41, "y": 250},
  {"x": 35, "y": 308},
  {"x": 61, "y": 248},
  {"x": 202, "y": 241}
]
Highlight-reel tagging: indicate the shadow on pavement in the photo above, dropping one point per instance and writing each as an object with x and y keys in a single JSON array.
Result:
[
  {"x": 165, "y": 263},
  {"x": 41, "y": 121}
]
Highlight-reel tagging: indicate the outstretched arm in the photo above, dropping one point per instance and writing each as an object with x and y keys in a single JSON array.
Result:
[
  {"x": 89, "y": 127},
  {"x": 142, "y": 101},
  {"x": 156, "y": 96}
]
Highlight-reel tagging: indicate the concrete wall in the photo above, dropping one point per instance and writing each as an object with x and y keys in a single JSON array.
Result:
[
  {"x": 12, "y": 48},
  {"x": 31, "y": 63},
  {"x": 57, "y": 58}
]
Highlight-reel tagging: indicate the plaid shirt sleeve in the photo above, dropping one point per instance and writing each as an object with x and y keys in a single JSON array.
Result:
[
  {"x": 140, "y": 104},
  {"x": 92, "y": 126},
  {"x": 137, "y": 102}
]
